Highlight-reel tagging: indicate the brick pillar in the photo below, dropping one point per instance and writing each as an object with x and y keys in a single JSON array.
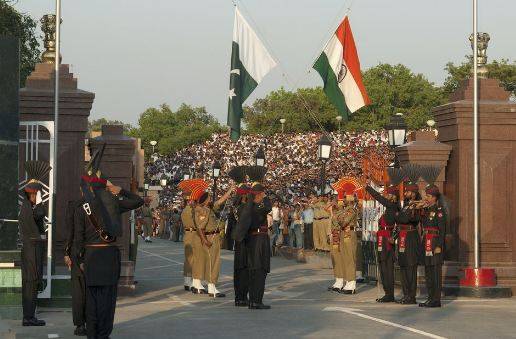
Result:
[
  {"x": 37, "y": 104},
  {"x": 117, "y": 166},
  {"x": 497, "y": 147}
]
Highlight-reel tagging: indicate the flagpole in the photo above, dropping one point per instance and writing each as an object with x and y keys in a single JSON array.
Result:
[
  {"x": 475, "y": 134},
  {"x": 56, "y": 89}
]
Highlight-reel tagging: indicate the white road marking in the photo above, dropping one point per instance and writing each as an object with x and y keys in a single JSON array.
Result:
[
  {"x": 385, "y": 322},
  {"x": 159, "y": 256},
  {"x": 161, "y": 266},
  {"x": 53, "y": 336}
]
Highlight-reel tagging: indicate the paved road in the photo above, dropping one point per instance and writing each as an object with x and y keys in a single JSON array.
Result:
[{"x": 301, "y": 307}]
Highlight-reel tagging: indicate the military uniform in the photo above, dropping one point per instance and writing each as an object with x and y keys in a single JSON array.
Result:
[
  {"x": 385, "y": 246},
  {"x": 31, "y": 220},
  {"x": 206, "y": 221},
  {"x": 407, "y": 220},
  {"x": 434, "y": 227},
  {"x": 343, "y": 246},
  {"x": 321, "y": 226},
  {"x": 147, "y": 222},
  {"x": 78, "y": 285},
  {"x": 240, "y": 269},
  {"x": 190, "y": 233},
  {"x": 101, "y": 265}
]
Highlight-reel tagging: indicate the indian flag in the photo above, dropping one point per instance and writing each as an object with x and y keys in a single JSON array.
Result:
[
  {"x": 339, "y": 68},
  {"x": 250, "y": 62}
]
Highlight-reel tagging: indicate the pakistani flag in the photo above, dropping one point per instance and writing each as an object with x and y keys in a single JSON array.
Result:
[
  {"x": 339, "y": 68},
  {"x": 250, "y": 62}
]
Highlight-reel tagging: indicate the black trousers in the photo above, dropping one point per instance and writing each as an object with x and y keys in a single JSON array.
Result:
[
  {"x": 433, "y": 277},
  {"x": 29, "y": 298},
  {"x": 309, "y": 237},
  {"x": 100, "y": 310},
  {"x": 387, "y": 275},
  {"x": 78, "y": 299},
  {"x": 241, "y": 282},
  {"x": 409, "y": 281},
  {"x": 257, "y": 285}
]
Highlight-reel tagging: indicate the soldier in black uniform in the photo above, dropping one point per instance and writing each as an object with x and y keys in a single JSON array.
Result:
[
  {"x": 77, "y": 276},
  {"x": 32, "y": 227},
  {"x": 434, "y": 228},
  {"x": 97, "y": 223},
  {"x": 253, "y": 227},
  {"x": 384, "y": 236},
  {"x": 240, "y": 269},
  {"x": 407, "y": 220}
]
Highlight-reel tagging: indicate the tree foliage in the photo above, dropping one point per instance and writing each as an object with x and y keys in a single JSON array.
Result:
[
  {"x": 392, "y": 89},
  {"x": 22, "y": 26},
  {"x": 174, "y": 130},
  {"x": 96, "y": 125},
  {"x": 502, "y": 70}
]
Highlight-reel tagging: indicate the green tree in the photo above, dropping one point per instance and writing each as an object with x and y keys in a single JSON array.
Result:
[
  {"x": 392, "y": 89},
  {"x": 502, "y": 70},
  {"x": 96, "y": 125},
  {"x": 298, "y": 108},
  {"x": 174, "y": 130},
  {"x": 22, "y": 26}
]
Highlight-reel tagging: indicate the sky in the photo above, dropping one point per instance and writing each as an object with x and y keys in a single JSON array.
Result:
[{"x": 139, "y": 54}]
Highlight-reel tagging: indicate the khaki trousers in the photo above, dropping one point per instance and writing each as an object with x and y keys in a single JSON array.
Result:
[
  {"x": 321, "y": 231},
  {"x": 348, "y": 248},
  {"x": 337, "y": 261},
  {"x": 212, "y": 256},
  {"x": 189, "y": 253},
  {"x": 147, "y": 227},
  {"x": 199, "y": 258}
]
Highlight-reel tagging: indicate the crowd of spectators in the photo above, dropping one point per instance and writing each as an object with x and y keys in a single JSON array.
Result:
[{"x": 291, "y": 159}]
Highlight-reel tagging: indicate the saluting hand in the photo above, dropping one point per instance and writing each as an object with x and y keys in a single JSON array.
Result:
[
  {"x": 115, "y": 190},
  {"x": 68, "y": 262}
]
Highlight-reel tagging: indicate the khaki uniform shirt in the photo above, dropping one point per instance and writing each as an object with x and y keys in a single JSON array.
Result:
[
  {"x": 187, "y": 218},
  {"x": 344, "y": 218},
  {"x": 320, "y": 210}
]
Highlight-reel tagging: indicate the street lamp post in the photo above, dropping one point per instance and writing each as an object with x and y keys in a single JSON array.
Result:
[
  {"x": 145, "y": 189},
  {"x": 323, "y": 153},
  {"x": 339, "y": 119},
  {"x": 163, "y": 181},
  {"x": 397, "y": 133},
  {"x": 259, "y": 158},
  {"x": 153, "y": 144},
  {"x": 282, "y": 121},
  {"x": 215, "y": 173}
]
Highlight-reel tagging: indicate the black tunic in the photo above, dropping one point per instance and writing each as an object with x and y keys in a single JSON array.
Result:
[
  {"x": 435, "y": 218},
  {"x": 32, "y": 226},
  {"x": 240, "y": 246},
  {"x": 254, "y": 217},
  {"x": 389, "y": 215},
  {"x": 409, "y": 216},
  {"x": 101, "y": 264}
]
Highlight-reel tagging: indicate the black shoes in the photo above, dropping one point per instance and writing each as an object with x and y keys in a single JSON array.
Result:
[
  {"x": 343, "y": 291},
  {"x": 33, "y": 322},
  {"x": 408, "y": 301},
  {"x": 198, "y": 290},
  {"x": 217, "y": 295},
  {"x": 80, "y": 331},
  {"x": 241, "y": 303},
  {"x": 258, "y": 306},
  {"x": 431, "y": 304},
  {"x": 187, "y": 288},
  {"x": 386, "y": 299}
]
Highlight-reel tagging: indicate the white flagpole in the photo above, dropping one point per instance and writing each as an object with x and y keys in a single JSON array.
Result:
[
  {"x": 475, "y": 134},
  {"x": 56, "y": 89}
]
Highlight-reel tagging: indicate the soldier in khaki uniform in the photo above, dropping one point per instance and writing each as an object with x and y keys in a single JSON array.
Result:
[
  {"x": 147, "y": 219},
  {"x": 190, "y": 233},
  {"x": 343, "y": 245},
  {"x": 194, "y": 264},
  {"x": 322, "y": 224},
  {"x": 209, "y": 229}
]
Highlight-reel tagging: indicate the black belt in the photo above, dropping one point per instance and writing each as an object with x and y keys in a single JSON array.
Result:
[
  {"x": 210, "y": 233},
  {"x": 405, "y": 227},
  {"x": 321, "y": 218},
  {"x": 190, "y": 230}
]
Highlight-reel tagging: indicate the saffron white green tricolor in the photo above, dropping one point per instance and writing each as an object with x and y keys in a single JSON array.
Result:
[
  {"x": 250, "y": 62},
  {"x": 339, "y": 68}
]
